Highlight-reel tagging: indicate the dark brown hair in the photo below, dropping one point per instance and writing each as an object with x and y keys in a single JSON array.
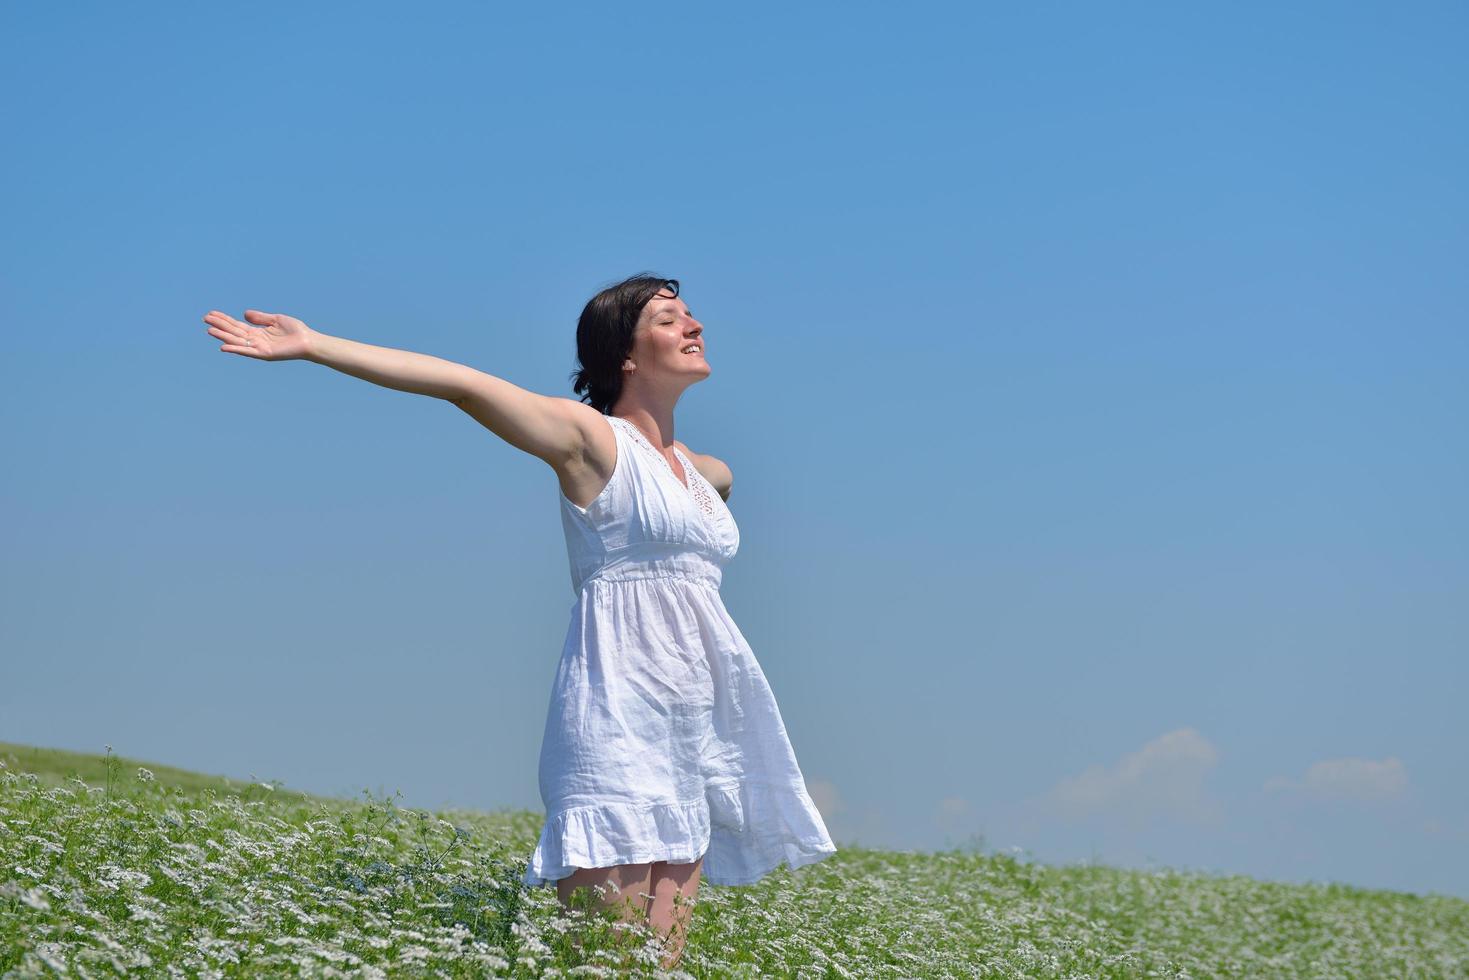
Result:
[{"x": 604, "y": 336}]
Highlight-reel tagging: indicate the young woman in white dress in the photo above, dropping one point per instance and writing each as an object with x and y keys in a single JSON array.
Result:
[{"x": 576, "y": 441}]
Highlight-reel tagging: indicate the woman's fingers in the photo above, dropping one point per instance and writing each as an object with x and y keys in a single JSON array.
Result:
[
  {"x": 239, "y": 338},
  {"x": 255, "y": 316},
  {"x": 231, "y": 338},
  {"x": 236, "y": 345},
  {"x": 229, "y": 324}
]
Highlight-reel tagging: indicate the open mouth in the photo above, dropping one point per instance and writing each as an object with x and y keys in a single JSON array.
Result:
[{"x": 694, "y": 349}]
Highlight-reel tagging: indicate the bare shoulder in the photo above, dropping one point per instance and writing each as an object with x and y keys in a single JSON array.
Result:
[{"x": 713, "y": 469}]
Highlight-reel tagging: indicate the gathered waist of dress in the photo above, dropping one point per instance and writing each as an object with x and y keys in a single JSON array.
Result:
[{"x": 652, "y": 563}]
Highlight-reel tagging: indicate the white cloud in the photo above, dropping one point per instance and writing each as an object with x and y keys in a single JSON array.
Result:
[
  {"x": 1348, "y": 779},
  {"x": 954, "y": 815},
  {"x": 847, "y": 823},
  {"x": 828, "y": 801},
  {"x": 956, "y": 819},
  {"x": 1165, "y": 776},
  {"x": 953, "y": 807}
]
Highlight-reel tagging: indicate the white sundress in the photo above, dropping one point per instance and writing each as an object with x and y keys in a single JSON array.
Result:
[{"x": 663, "y": 741}]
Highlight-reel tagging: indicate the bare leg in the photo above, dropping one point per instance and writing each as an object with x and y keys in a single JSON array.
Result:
[
  {"x": 674, "y": 887},
  {"x": 626, "y": 887}
]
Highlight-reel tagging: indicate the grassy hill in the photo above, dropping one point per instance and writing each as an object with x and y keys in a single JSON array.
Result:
[{"x": 115, "y": 866}]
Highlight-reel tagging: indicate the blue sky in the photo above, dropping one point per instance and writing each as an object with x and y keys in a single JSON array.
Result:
[{"x": 1092, "y": 379}]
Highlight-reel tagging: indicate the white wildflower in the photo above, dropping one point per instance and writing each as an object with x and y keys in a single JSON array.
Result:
[
  {"x": 118, "y": 877},
  {"x": 36, "y": 899},
  {"x": 145, "y": 914},
  {"x": 50, "y": 954},
  {"x": 43, "y": 843},
  {"x": 414, "y": 953}
]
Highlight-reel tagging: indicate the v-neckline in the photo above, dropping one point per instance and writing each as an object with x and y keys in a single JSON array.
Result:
[
  {"x": 708, "y": 517},
  {"x": 682, "y": 459}
]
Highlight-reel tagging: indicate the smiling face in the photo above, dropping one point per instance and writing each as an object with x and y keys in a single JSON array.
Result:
[{"x": 665, "y": 329}]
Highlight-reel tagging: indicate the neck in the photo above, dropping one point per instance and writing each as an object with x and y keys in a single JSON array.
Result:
[{"x": 656, "y": 420}]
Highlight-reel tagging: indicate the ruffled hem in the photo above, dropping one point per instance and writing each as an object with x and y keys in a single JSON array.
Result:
[
  {"x": 607, "y": 834},
  {"x": 796, "y": 854},
  {"x": 734, "y": 848}
]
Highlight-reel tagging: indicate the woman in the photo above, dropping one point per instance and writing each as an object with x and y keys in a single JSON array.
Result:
[{"x": 664, "y": 754}]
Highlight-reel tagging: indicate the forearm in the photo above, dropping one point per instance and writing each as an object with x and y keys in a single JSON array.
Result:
[{"x": 420, "y": 374}]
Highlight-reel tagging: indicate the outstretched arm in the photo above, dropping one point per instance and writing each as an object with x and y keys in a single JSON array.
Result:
[
  {"x": 278, "y": 337},
  {"x": 404, "y": 370},
  {"x": 552, "y": 429}
]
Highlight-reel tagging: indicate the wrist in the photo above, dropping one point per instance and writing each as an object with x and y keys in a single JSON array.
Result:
[{"x": 318, "y": 347}]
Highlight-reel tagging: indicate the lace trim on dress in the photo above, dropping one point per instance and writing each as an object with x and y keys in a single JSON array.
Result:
[{"x": 697, "y": 486}]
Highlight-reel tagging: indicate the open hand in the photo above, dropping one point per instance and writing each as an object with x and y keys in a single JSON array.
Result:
[{"x": 267, "y": 337}]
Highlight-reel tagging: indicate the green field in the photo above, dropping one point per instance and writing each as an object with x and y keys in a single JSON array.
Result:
[{"x": 115, "y": 866}]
